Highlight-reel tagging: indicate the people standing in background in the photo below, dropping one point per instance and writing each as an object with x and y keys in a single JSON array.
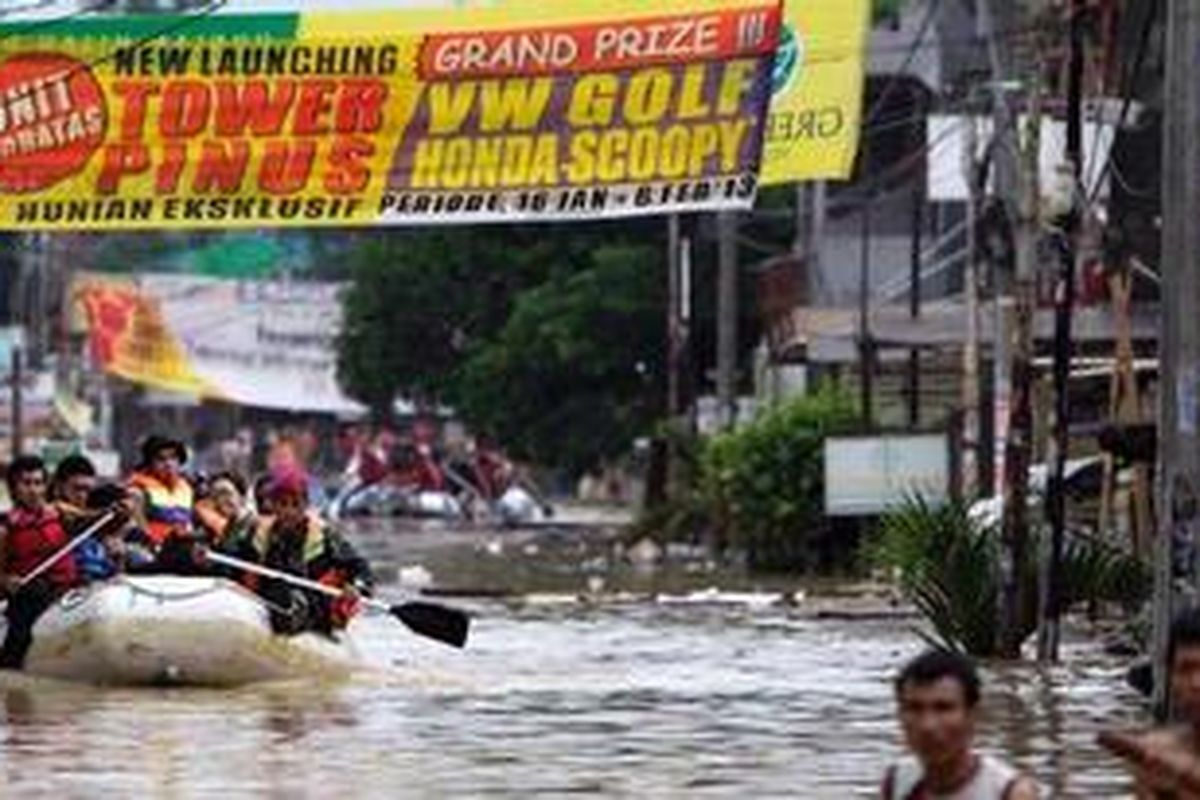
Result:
[
  {"x": 374, "y": 457},
  {"x": 307, "y": 448},
  {"x": 281, "y": 451},
  {"x": 493, "y": 473}
]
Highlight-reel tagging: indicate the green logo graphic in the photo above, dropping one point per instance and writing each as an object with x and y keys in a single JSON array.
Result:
[{"x": 789, "y": 60}]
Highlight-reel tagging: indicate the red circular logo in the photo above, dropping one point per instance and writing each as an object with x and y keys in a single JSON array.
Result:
[{"x": 52, "y": 118}]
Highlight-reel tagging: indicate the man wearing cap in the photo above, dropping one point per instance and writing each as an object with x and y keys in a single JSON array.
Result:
[
  {"x": 167, "y": 497},
  {"x": 295, "y": 540}
]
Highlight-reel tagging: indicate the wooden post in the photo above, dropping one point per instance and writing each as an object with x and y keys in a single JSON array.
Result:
[
  {"x": 1125, "y": 408},
  {"x": 18, "y": 401}
]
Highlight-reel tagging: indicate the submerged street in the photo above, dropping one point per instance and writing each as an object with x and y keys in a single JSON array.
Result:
[{"x": 700, "y": 694}]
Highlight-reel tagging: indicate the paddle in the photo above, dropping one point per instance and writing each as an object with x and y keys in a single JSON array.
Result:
[
  {"x": 446, "y": 625},
  {"x": 64, "y": 551},
  {"x": 458, "y": 480}
]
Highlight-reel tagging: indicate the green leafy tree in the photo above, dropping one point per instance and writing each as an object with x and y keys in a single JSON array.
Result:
[
  {"x": 420, "y": 301},
  {"x": 576, "y": 372},
  {"x": 882, "y": 10},
  {"x": 551, "y": 338},
  {"x": 765, "y": 482}
]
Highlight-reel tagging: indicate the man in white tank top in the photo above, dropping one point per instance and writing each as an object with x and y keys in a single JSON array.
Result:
[{"x": 938, "y": 694}]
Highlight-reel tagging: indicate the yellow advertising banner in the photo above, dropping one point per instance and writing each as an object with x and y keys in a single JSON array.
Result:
[
  {"x": 815, "y": 112},
  {"x": 597, "y": 108},
  {"x": 816, "y": 91}
]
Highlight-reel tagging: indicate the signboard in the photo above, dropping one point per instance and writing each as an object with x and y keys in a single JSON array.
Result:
[
  {"x": 946, "y": 141},
  {"x": 255, "y": 343},
  {"x": 529, "y": 111},
  {"x": 871, "y": 474},
  {"x": 12, "y": 337},
  {"x": 816, "y": 91}
]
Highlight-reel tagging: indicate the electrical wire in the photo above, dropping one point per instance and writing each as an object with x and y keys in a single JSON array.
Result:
[
  {"x": 179, "y": 23},
  {"x": 1130, "y": 81},
  {"x": 817, "y": 50},
  {"x": 33, "y": 26},
  {"x": 914, "y": 48},
  {"x": 1144, "y": 194},
  {"x": 33, "y": 5}
]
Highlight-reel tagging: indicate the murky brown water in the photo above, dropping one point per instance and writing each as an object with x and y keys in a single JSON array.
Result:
[{"x": 554, "y": 697}]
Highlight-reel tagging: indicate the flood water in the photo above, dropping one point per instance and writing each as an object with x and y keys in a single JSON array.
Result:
[{"x": 707, "y": 695}]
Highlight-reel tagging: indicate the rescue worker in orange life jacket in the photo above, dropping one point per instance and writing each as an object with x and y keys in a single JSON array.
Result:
[
  {"x": 296, "y": 540},
  {"x": 167, "y": 497},
  {"x": 30, "y": 534}
]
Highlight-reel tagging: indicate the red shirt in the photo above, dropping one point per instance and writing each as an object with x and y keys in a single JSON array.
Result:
[{"x": 31, "y": 537}]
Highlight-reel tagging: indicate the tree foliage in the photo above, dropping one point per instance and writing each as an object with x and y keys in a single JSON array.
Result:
[
  {"x": 551, "y": 338},
  {"x": 576, "y": 372},
  {"x": 420, "y": 302},
  {"x": 766, "y": 481}
]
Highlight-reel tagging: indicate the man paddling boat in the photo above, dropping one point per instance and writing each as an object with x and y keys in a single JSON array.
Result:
[
  {"x": 30, "y": 534},
  {"x": 296, "y": 541}
]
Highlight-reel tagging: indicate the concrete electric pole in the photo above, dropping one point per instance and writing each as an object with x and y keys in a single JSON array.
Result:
[
  {"x": 727, "y": 318},
  {"x": 1179, "y": 337}
]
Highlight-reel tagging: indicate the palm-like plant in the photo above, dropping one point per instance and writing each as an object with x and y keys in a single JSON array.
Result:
[{"x": 949, "y": 567}]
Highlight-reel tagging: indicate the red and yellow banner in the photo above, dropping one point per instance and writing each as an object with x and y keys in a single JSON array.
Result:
[
  {"x": 590, "y": 109},
  {"x": 255, "y": 343}
]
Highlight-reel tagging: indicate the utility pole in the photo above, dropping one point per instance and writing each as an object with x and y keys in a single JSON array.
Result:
[
  {"x": 674, "y": 329},
  {"x": 1179, "y": 338},
  {"x": 914, "y": 306},
  {"x": 802, "y": 240},
  {"x": 727, "y": 318},
  {"x": 1019, "y": 443},
  {"x": 1019, "y": 194},
  {"x": 866, "y": 367},
  {"x": 1064, "y": 302},
  {"x": 996, "y": 17},
  {"x": 914, "y": 283},
  {"x": 971, "y": 429},
  {"x": 664, "y": 472}
]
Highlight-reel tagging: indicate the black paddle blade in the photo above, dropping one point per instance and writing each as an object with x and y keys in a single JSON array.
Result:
[{"x": 437, "y": 622}]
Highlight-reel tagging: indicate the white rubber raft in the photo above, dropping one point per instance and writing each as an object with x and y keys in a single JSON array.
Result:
[
  {"x": 163, "y": 630},
  {"x": 380, "y": 500}
]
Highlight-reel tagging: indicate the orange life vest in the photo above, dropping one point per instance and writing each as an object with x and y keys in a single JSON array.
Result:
[{"x": 167, "y": 507}]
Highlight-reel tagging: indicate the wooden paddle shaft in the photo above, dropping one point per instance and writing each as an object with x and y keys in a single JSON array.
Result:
[
  {"x": 65, "y": 550},
  {"x": 287, "y": 577}
]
